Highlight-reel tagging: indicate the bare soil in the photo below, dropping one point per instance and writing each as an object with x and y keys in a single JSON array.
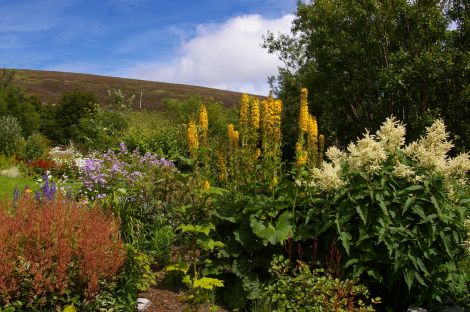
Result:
[{"x": 165, "y": 297}]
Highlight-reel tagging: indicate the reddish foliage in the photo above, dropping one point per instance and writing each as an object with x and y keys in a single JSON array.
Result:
[
  {"x": 50, "y": 247},
  {"x": 41, "y": 165}
]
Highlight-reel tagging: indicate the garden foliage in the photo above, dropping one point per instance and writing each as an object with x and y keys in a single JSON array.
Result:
[
  {"x": 298, "y": 288},
  {"x": 11, "y": 138},
  {"x": 398, "y": 212},
  {"x": 56, "y": 252},
  {"x": 389, "y": 214},
  {"x": 367, "y": 60}
]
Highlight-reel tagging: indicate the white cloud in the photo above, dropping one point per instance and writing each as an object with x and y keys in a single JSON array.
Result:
[{"x": 225, "y": 56}]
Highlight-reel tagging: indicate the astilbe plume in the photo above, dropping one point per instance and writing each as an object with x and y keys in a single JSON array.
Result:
[
  {"x": 428, "y": 154},
  {"x": 47, "y": 249},
  {"x": 431, "y": 150},
  {"x": 391, "y": 135},
  {"x": 367, "y": 153}
]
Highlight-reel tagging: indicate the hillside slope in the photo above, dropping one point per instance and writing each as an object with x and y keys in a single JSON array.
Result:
[{"x": 49, "y": 86}]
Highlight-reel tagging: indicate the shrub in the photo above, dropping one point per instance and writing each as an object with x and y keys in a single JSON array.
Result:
[
  {"x": 298, "y": 288},
  {"x": 7, "y": 162},
  {"x": 72, "y": 107},
  {"x": 397, "y": 211},
  {"x": 36, "y": 147},
  {"x": 100, "y": 131},
  {"x": 160, "y": 241},
  {"x": 10, "y": 135},
  {"x": 152, "y": 132},
  {"x": 55, "y": 252}
]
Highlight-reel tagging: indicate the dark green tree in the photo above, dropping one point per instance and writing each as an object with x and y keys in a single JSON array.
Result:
[
  {"x": 16, "y": 102},
  {"x": 365, "y": 60},
  {"x": 72, "y": 107}
]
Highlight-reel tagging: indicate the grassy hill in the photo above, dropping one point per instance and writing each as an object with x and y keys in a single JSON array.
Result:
[{"x": 49, "y": 87}]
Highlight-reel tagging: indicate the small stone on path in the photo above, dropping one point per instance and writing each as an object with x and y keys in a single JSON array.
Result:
[{"x": 143, "y": 304}]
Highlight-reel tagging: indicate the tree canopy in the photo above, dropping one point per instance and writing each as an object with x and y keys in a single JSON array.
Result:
[{"x": 365, "y": 60}]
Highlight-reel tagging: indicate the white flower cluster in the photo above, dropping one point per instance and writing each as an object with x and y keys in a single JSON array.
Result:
[
  {"x": 405, "y": 172},
  {"x": 367, "y": 153},
  {"x": 431, "y": 150},
  {"x": 67, "y": 156},
  {"x": 370, "y": 152},
  {"x": 391, "y": 135},
  {"x": 327, "y": 178}
]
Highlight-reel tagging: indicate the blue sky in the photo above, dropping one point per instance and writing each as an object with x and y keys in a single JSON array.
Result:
[{"x": 205, "y": 42}]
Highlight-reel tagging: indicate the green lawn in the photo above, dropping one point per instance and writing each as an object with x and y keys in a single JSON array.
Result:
[{"x": 8, "y": 185}]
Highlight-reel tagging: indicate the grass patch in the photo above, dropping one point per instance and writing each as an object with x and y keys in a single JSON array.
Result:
[{"x": 8, "y": 185}]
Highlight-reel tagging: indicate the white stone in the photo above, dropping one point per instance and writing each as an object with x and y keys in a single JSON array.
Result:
[{"x": 143, "y": 304}]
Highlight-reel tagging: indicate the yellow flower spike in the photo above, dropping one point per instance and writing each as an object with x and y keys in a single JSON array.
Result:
[
  {"x": 255, "y": 114},
  {"x": 244, "y": 110},
  {"x": 274, "y": 183},
  {"x": 312, "y": 127},
  {"x": 264, "y": 113},
  {"x": 312, "y": 138},
  {"x": 301, "y": 155},
  {"x": 192, "y": 137},
  {"x": 230, "y": 129},
  {"x": 303, "y": 116},
  {"x": 221, "y": 165},
  {"x": 257, "y": 153},
  {"x": 302, "y": 160},
  {"x": 276, "y": 120},
  {"x": 235, "y": 138},
  {"x": 204, "y": 121},
  {"x": 321, "y": 141},
  {"x": 206, "y": 185},
  {"x": 233, "y": 135}
]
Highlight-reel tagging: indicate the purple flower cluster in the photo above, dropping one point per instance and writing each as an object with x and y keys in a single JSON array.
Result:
[
  {"x": 120, "y": 169},
  {"x": 151, "y": 159},
  {"x": 48, "y": 189}
]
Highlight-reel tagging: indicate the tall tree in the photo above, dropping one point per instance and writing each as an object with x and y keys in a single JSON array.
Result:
[
  {"x": 72, "y": 107},
  {"x": 365, "y": 60}
]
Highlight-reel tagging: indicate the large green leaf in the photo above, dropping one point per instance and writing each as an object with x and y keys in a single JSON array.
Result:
[
  {"x": 346, "y": 238},
  {"x": 277, "y": 234},
  {"x": 284, "y": 226},
  {"x": 264, "y": 230},
  {"x": 414, "y": 188},
  {"x": 362, "y": 214},
  {"x": 410, "y": 200}
]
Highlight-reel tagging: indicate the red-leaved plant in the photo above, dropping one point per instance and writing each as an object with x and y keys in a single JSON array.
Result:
[{"x": 56, "y": 248}]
